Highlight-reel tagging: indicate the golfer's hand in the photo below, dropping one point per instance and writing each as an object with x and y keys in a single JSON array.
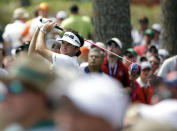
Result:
[{"x": 50, "y": 25}]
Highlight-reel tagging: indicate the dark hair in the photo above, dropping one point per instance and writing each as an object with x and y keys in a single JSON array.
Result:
[
  {"x": 81, "y": 39},
  {"x": 143, "y": 58},
  {"x": 157, "y": 57},
  {"x": 74, "y": 8},
  {"x": 153, "y": 49}
]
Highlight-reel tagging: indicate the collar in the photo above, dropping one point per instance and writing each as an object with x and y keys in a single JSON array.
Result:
[
  {"x": 141, "y": 83},
  {"x": 106, "y": 61},
  {"x": 86, "y": 69}
]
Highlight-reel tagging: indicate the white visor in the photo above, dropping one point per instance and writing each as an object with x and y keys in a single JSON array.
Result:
[{"x": 70, "y": 38}]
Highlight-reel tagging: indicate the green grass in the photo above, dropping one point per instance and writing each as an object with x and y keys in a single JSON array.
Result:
[{"x": 7, "y": 7}]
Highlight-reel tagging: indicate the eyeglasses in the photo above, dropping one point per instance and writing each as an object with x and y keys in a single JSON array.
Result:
[{"x": 154, "y": 62}]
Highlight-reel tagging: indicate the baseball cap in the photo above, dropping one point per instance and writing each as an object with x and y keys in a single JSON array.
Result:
[
  {"x": 99, "y": 96},
  {"x": 70, "y": 38},
  {"x": 61, "y": 15},
  {"x": 163, "y": 53},
  {"x": 115, "y": 40},
  {"x": 132, "y": 51},
  {"x": 144, "y": 19},
  {"x": 43, "y": 6},
  {"x": 145, "y": 65},
  {"x": 156, "y": 27},
  {"x": 100, "y": 44},
  {"x": 20, "y": 13},
  {"x": 28, "y": 69},
  {"x": 164, "y": 111},
  {"x": 149, "y": 32}
]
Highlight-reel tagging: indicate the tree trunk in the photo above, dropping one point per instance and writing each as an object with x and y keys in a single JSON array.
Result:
[
  {"x": 169, "y": 24},
  {"x": 112, "y": 19}
]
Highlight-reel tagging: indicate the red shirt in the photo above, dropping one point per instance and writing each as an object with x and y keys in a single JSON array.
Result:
[
  {"x": 140, "y": 49},
  {"x": 143, "y": 94},
  {"x": 121, "y": 72}
]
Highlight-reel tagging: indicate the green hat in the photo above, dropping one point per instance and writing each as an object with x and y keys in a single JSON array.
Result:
[
  {"x": 149, "y": 32},
  {"x": 131, "y": 50}
]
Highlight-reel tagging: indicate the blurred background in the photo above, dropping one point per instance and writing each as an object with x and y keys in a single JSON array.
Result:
[{"x": 139, "y": 8}]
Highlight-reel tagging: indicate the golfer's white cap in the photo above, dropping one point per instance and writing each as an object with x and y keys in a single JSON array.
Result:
[
  {"x": 100, "y": 96},
  {"x": 156, "y": 27},
  {"x": 70, "y": 38},
  {"x": 164, "y": 111},
  {"x": 61, "y": 15}
]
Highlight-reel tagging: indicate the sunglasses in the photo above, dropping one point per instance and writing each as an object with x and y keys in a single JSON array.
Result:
[
  {"x": 129, "y": 56},
  {"x": 112, "y": 43}
]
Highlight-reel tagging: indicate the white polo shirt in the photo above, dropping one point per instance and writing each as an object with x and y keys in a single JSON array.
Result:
[{"x": 64, "y": 60}]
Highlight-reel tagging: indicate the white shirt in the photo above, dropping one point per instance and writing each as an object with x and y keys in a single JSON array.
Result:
[
  {"x": 64, "y": 60},
  {"x": 169, "y": 65},
  {"x": 12, "y": 33}
]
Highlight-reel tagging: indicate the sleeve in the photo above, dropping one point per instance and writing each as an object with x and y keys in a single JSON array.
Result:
[{"x": 164, "y": 69}]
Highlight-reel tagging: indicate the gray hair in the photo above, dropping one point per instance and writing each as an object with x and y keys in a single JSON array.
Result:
[{"x": 97, "y": 50}]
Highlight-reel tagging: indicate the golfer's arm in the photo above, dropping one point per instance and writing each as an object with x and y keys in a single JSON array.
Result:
[
  {"x": 32, "y": 46},
  {"x": 41, "y": 47}
]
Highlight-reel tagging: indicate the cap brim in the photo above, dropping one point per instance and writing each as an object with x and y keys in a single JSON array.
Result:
[{"x": 69, "y": 41}]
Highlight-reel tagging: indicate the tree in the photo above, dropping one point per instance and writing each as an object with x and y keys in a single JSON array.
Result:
[
  {"x": 169, "y": 24},
  {"x": 112, "y": 19}
]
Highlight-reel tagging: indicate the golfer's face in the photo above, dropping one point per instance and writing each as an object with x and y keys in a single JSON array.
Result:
[{"x": 68, "y": 49}]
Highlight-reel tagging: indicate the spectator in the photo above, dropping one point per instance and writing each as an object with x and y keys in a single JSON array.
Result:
[
  {"x": 26, "y": 102},
  {"x": 138, "y": 36},
  {"x": 61, "y": 15},
  {"x": 95, "y": 60},
  {"x": 12, "y": 31},
  {"x": 43, "y": 9},
  {"x": 25, "y": 34},
  {"x": 81, "y": 24},
  {"x": 169, "y": 65},
  {"x": 92, "y": 104},
  {"x": 163, "y": 54},
  {"x": 145, "y": 91},
  {"x": 84, "y": 56},
  {"x": 155, "y": 63},
  {"x": 148, "y": 36},
  {"x": 157, "y": 37},
  {"x": 113, "y": 66},
  {"x": 130, "y": 55}
]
